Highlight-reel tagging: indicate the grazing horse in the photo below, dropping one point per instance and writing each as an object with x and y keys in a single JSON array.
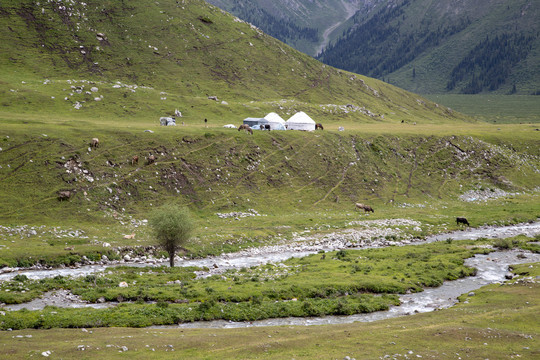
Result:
[
  {"x": 94, "y": 143},
  {"x": 366, "y": 208},
  {"x": 462, "y": 220},
  {"x": 246, "y": 128},
  {"x": 319, "y": 126}
]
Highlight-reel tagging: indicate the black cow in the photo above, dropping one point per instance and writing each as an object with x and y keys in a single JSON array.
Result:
[{"x": 462, "y": 220}]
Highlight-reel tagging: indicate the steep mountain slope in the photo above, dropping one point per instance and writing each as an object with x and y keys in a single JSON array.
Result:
[
  {"x": 145, "y": 60},
  {"x": 431, "y": 46}
]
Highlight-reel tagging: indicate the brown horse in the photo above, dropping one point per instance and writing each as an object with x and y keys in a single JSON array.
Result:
[
  {"x": 246, "y": 128},
  {"x": 364, "y": 207},
  {"x": 319, "y": 126}
]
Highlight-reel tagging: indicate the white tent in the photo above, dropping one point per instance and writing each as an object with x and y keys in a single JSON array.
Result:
[
  {"x": 300, "y": 121},
  {"x": 275, "y": 121}
]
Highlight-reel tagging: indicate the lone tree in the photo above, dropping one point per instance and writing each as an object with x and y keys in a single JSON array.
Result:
[{"x": 172, "y": 227}]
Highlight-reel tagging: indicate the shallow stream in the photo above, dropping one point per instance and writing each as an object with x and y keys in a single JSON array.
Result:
[{"x": 491, "y": 268}]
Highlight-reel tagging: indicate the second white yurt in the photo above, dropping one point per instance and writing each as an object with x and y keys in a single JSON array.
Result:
[
  {"x": 275, "y": 121},
  {"x": 300, "y": 121}
]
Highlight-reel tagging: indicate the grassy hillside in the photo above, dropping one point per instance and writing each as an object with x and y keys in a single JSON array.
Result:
[
  {"x": 110, "y": 70},
  {"x": 297, "y": 181},
  {"x": 142, "y": 61}
]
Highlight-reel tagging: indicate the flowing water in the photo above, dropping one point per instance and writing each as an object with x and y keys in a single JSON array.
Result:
[{"x": 491, "y": 268}]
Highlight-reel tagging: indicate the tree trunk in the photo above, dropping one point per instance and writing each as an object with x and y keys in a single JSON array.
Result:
[{"x": 171, "y": 258}]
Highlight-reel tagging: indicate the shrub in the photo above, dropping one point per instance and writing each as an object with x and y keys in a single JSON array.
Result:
[
  {"x": 20, "y": 278},
  {"x": 503, "y": 244}
]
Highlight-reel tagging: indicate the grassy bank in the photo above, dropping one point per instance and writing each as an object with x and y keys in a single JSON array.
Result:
[{"x": 295, "y": 181}]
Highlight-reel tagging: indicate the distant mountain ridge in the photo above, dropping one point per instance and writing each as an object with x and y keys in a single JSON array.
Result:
[{"x": 438, "y": 46}]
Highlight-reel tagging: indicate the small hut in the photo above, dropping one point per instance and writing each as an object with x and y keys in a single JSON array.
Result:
[{"x": 256, "y": 123}]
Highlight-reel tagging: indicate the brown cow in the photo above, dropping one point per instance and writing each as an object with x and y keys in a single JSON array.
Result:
[
  {"x": 151, "y": 159},
  {"x": 134, "y": 160},
  {"x": 245, "y": 127},
  {"x": 319, "y": 126},
  {"x": 94, "y": 143},
  {"x": 366, "y": 208}
]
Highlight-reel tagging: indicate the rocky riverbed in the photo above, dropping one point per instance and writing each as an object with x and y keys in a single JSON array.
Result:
[
  {"x": 370, "y": 234},
  {"x": 365, "y": 234}
]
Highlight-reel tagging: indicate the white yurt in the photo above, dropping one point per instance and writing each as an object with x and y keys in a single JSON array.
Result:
[
  {"x": 276, "y": 122},
  {"x": 301, "y": 121}
]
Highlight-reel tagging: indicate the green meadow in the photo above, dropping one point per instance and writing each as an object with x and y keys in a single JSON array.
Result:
[{"x": 496, "y": 109}]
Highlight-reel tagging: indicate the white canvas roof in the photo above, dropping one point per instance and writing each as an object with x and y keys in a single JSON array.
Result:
[
  {"x": 274, "y": 118},
  {"x": 301, "y": 118}
]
